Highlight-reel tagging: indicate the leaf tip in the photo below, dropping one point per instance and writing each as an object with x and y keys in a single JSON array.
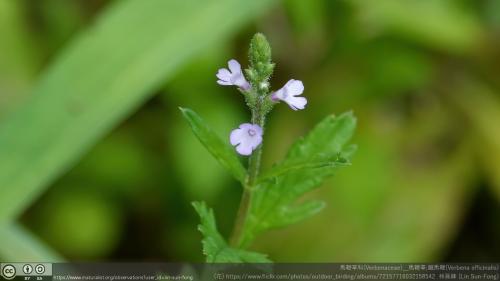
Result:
[
  {"x": 349, "y": 114},
  {"x": 199, "y": 207},
  {"x": 321, "y": 205}
]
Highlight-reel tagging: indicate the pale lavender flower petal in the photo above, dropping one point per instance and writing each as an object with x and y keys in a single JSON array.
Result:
[
  {"x": 289, "y": 94},
  {"x": 233, "y": 76},
  {"x": 295, "y": 87},
  {"x": 244, "y": 150},
  {"x": 297, "y": 103},
  {"x": 246, "y": 138},
  {"x": 234, "y": 66},
  {"x": 224, "y": 74},
  {"x": 224, "y": 83},
  {"x": 236, "y": 136}
]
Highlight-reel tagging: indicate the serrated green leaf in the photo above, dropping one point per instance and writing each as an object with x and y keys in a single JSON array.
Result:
[
  {"x": 293, "y": 214},
  {"x": 222, "y": 151},
  {"x": 280, "y": 170},
  {"x": 215, "y": 247},
  {"x": 274, "y": 202},
  {"x": 326, "y": 140},
  {"x": 98, "y": 80}
]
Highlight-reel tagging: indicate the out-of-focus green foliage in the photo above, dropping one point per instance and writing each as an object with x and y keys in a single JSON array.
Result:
[
  {"x": 19, "y": 245},
  {"x": 441, "y": 24},
  {"x": 97, "y": 231},
  {"x": 420, "y": 75},
  {"x": 136, "y": 46},
  {"x": 481, "y": 106},
  {"x": 18, "y": 57}
]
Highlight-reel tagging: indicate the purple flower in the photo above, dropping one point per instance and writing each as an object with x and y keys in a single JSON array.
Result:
[
  {"x": 233, "y": 76},
  {"x": 289, "y": 93},
  {"x": 246, "y": 138}
]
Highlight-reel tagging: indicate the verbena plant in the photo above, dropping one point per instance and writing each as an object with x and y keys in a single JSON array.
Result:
[{"x": 270, "y": 199}]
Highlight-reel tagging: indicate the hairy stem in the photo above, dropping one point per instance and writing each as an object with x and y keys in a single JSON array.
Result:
[
  {"x": 254, "y": 160},
  {"x": 253, "y": 173}
]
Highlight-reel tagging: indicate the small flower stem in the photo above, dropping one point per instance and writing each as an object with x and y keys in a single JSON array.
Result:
[
  {"x": 254, "y": 161},
  {"x": 241, "y": 217},
  {"x": 253, "y": 172}
]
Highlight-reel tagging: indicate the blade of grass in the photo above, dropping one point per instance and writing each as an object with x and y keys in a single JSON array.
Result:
[
  {"x": 19, "y": 245},
  {"x": 19, "y": 59},
  {"x": 102, "y": 77}
]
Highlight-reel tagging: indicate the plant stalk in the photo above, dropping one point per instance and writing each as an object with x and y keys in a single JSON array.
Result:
[{"x": 253, "y": 173}]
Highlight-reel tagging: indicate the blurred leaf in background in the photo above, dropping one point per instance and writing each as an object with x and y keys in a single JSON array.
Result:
[{"x": 19, "y": 58}]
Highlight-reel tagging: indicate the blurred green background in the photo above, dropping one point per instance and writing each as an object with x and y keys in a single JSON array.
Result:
[{"x": 96, "y": 163}]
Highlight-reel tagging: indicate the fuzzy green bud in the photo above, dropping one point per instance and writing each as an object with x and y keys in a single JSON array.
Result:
[
  {"x": 261, "y": 67},
  {"x": 260, "y": 50}
]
